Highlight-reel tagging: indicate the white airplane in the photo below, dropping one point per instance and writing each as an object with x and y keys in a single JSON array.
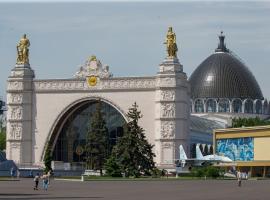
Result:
[{"x": 201, "y": 160}]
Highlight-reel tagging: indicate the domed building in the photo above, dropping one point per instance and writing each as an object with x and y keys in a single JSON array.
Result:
[{"x": 223, "y": 87}]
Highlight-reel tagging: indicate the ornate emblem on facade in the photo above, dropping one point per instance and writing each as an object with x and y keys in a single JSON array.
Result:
[
  {"x": 79, "y": 150},
  {"x": 93, "y": 67},
  {"x": 92, "y": 80}
]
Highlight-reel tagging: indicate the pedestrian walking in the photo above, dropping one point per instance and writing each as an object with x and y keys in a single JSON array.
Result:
[
  {"x": 45, "y": 181},
  {"x": 31, "y": 173},
  {"x": 49, "y": 175},
  {"x": 12, "y": 172},
  {"x": 239, "y": 178},
  {"x": 36, "y": 181}
]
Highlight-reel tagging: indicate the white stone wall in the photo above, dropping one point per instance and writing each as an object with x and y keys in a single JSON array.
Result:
[{"x": 49, "y": 107}]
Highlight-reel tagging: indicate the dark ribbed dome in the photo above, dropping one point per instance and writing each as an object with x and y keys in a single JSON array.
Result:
[{"x": 222, "y": 75}]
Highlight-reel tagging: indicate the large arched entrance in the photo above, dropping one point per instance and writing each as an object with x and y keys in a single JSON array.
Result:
[{"x": 70, "y": 134}]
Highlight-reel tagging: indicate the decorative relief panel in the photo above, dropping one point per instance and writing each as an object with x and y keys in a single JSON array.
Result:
[
  {"x": 103, "y": 84},
  {"x": 15, "y": 98},
  {"x": 167, "y": 82},
  {"x": 16, "y": 113},
  {"x": 128, "y": 83},
  {"x": 167, "y": 129},
  {"x": 167, "y": 145},
  {"x": 15, "y": 131},
  {"x": 15, "y": 145},
  {"x": 15, "y": 85},
  {"x": 168, "y": 95},
  {"x": 168, "y": 110}
]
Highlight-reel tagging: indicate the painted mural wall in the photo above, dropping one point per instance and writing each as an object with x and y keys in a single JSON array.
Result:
[{"x": 237, "y": 149}]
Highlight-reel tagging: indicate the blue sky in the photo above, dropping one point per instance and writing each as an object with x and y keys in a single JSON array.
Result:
[{"x": 129, "y": 36}]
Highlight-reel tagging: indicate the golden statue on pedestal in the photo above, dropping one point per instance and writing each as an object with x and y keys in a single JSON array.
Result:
[
  {"x": 23, "y": 51},
  {"x": 171, "y": 43}
]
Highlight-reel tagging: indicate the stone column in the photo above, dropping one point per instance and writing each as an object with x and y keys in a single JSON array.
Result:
[
  {"x": 243, "y": 106},
  {"x": 231, "y": 106},
  {"x": 19, "y": 115},
  {"x": 172, "y": 112}
]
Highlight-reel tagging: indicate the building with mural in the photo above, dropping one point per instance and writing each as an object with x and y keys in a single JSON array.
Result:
[{"x": 248, "y": 147}]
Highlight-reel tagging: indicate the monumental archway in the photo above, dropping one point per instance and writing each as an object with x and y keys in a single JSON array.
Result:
[{"x": 49, "y": 113}]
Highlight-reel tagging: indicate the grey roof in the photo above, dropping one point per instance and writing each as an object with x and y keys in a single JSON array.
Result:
[
  {"x": 222, "y": 75},
  {"x": 203, "y": 125}
]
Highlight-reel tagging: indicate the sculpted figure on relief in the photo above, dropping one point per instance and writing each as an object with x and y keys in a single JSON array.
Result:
[
  {"x": 168, "y": 95},
  {"x": 167, "y": 130},
  {"x": 16, "y": 113},
  {"x": 15, "y": 131},
  {"x": 168, "y": 110}
]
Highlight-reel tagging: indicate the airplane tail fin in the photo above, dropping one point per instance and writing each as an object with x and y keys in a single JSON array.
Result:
[
  {"x": 182, "y": 152},
  {"x": 198, "y": 152}
]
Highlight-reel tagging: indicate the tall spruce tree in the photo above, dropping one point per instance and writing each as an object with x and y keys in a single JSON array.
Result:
[
  {"x": 48, "y": 160},
  {"x": 97, "y": 141},
  {"x": 133, "y": 152},
  {"x": 3, "y": 139}
]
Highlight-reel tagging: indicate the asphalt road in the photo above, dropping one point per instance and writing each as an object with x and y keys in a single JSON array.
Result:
[{"x": 139, "y": 190}]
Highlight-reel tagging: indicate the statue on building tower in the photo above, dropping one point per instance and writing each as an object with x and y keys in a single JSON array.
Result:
[
  {"x": 171, "y": 44},
  {"x": 23, "y": 51}
]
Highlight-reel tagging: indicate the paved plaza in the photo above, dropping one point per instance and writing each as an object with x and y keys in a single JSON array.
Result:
[{"x": 138, "y": 190}]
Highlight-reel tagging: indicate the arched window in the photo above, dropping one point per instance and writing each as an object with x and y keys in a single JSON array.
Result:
[
  {"x": 249, "y": 106},
  {"x": 72, "y": 139},
  {"x": 199, "y": 106},
  {"x": 258, "y": 107},
  {"x": 237, "y": 106},
  {"x": 211, "y": 105},
  {"x": 265, "y": 108},
  {"x": 224, "y": 105}
]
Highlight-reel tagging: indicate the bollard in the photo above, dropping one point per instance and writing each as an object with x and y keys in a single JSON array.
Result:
[{"x": 82, "y": 178}]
